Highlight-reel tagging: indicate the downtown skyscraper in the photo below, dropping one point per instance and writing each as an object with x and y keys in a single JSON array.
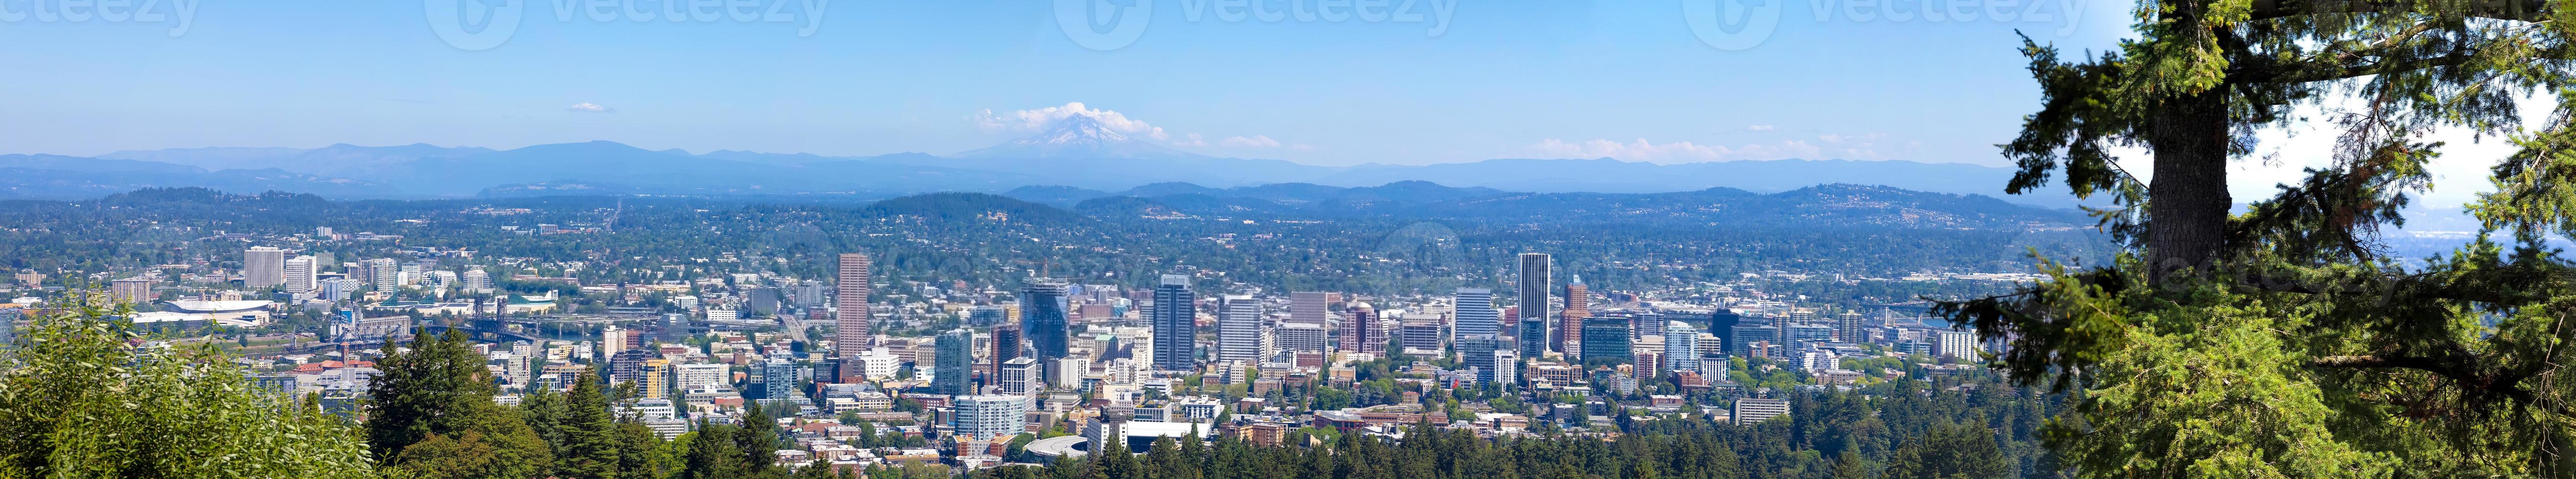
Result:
[
  {"x": 955, "y": 360},
  {"x": 1475, "y": 314},
  {"x": 1533, "y": 287},
  {"x": 1042, "y": 317},
  {"x": 850, "y": 311},
  {"x": 1239, "y": 332},
  {"x": 1175, "y": 323}
]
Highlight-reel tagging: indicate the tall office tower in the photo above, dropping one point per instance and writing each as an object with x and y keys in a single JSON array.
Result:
[
  {"x": 851, "y": 315},
  {"x": 300, "y": 274},
  {"x": 1533, "y": 288},
  {"x": 384, "y": 274},
  {"x": 130, "y": 291},
  {"x": 1479, "y": 351},
  {"x": 1722, "y": 323},
  {"x": 409, "y": 274},
  {"x": 1308, "y": 307},
  {"x": 956, "y": 362},
  {"x": 1681, "y": 347},
  {"x": 263, "y": 267},
  {"x": 1175, "y": 323},
  {"x": 1606, "y": 342},
  {"x": 1847, "y": 328},
  {"x": 1578, "y": 306},
  {"x": 477, "y": 280},
  {"x": 1239, "y": 335},
  {"x": 1360, "y": 331},
  {"x": 1006, "y": 346},
  {"x": 777, "y": 379},
  {"x": 1042, "y": 318},
  {"x": 1475, "y": 314}
]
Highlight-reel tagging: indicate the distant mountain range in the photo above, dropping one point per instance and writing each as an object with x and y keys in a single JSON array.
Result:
[{"x": 1079, "y": 159}]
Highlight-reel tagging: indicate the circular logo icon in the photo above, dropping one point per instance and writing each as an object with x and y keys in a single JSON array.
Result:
[
  {"x": 1103, "y": 24},
  {"x": 473, "y": 25},
  {"x": 1732, "y": 25}
]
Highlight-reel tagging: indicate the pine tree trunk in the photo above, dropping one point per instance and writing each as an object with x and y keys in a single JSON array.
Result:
[{"x": 2187, "y": 204}]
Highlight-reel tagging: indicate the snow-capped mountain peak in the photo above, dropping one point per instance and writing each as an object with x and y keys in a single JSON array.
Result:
[{"x": 1078, "y": 137}]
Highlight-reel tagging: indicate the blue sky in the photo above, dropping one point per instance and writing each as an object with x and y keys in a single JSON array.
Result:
[{"x": 1538, "y": 78}]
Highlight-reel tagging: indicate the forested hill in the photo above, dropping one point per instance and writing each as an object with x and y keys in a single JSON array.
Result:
[
  {"x": 1376, "y": 245},
  {"x": 1835, "y": 205}
]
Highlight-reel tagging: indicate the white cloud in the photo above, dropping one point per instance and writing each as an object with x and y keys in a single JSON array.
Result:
[
  {"x": 1830, "y": 138},
  {"x": 1673, "y": 152},
  {"x": 1194, "y": 140},
  {"x": 1256, "y": 141},
  {"x": 1759, "y": 128},
  {"x": 1043, "y": 118},
  {"x": 588, "y": 107}
]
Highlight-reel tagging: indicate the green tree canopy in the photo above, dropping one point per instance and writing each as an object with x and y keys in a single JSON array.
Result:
[{"x": 83, "y": 397}]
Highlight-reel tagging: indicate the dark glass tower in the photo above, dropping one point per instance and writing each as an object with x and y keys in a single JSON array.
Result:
[
  {"x": 1722, "y": 323},
  {"x": 1175, "y": 322},
  {"x": 1042, "y": 318},
  {"x": 956, "y": 363}
]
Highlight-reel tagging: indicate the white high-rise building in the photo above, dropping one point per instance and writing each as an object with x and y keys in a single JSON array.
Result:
[
  {"x": 991, "y": 417},
  {"x": 263, "y": 267},
  {"x": 1239, "y": 332},
  {"x": 1476, "y": 315},
  {"x": 1681, "y": 347},
  {"x": 300, "y": 274}
]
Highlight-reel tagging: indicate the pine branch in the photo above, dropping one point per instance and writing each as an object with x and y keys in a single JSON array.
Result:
[{"x": 2513, "y": 10}]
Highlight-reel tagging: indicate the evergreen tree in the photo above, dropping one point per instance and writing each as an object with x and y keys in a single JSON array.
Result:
[
  {"x": 439, "y": 393},
  {"x": 757, "y": 442},
  {"x": 591, "y": 440},
  {"x": 2283, "y": 341},
  {"x": 713, "y": 453}
]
